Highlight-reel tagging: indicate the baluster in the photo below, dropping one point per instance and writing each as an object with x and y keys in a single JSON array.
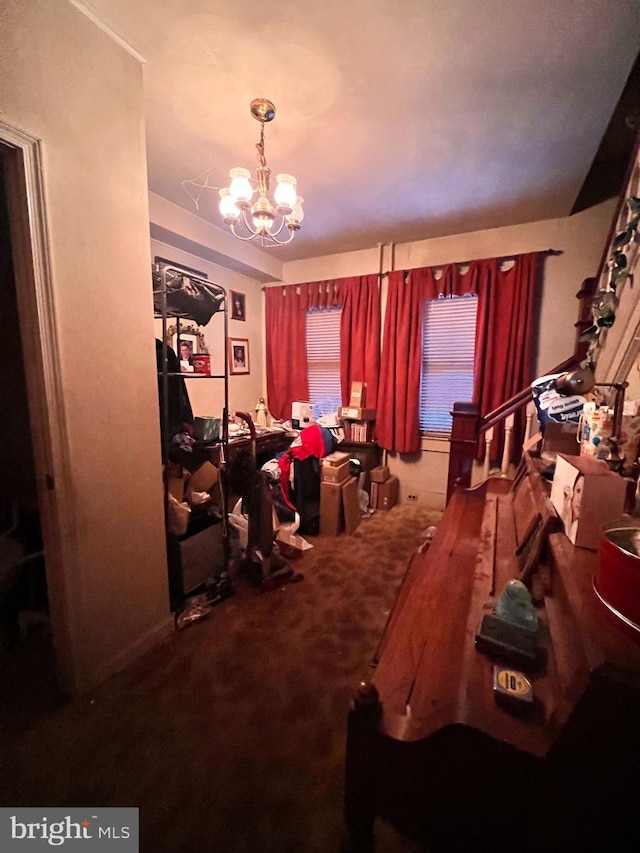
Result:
[
  {"x": 531, "y": 411},
  {"x": 506, "y": 450},
  {"x": 488, "y": 439}
]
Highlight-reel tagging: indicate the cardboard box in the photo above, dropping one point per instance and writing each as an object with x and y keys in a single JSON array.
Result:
[
  {"x": 335, "y": 473},
  {"x": 356, "y": 413},
  {"x": 586, "y": 495},
  {"x": 331, "y": 512},
  {"x": 387, "y": 493},
  {"x": 206, "y": 429},
  {"x": 358, "y": 396},
  {"x": 379, "y": 474},
  {"x": 301, "y": 414},
  {"x": 204, "y": 477},
  {"x": 336, "y": 458},
  {"x": 201, "y": 364},
  {"x": 351, "y": 504},
  {"x": 561, "y": 438}
]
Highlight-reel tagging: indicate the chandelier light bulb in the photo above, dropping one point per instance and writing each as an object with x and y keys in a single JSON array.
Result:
[
  {"x": 297, "y": 214},
  {"x": 285, "y": 194},
  {"x": 263, "y": 214},
  {"x": 240, "y": 186},
  {"x": 227, "y": 206}
]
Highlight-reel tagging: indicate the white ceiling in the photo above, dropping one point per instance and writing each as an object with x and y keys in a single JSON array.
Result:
[{"x": 401, "y": 119}]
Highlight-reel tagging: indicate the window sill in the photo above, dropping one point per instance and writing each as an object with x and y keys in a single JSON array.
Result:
[{"x": 435, "y": 442}]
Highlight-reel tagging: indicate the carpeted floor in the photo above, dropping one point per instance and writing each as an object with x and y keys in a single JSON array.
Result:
[{"x": 230, "y": 737}]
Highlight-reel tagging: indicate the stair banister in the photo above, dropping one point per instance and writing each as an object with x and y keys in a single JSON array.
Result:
[{"x": 468, "y": 425}]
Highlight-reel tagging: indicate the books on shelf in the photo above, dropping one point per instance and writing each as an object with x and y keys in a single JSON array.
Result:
[{"x": 360, "y": 431}]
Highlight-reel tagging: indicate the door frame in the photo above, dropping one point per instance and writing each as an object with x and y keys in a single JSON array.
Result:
[{"x": 23, "y": 167}]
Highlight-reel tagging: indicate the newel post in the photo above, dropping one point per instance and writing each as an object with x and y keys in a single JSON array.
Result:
[
  {"x": 359, "y": 791},
  {"x": 462, "y": 445}
]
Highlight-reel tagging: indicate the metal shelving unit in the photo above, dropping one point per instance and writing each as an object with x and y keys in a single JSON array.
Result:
[{"x": 174, "y": 286}]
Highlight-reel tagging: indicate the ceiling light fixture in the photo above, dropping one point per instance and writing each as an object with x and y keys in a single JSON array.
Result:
[{"x": 261, "y": 220}]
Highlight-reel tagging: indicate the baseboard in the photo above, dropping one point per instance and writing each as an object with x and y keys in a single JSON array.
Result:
[{"x": 160, "y": 632}]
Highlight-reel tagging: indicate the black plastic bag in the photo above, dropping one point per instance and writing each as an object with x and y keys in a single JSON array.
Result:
[{"x": 188, "y": 298}]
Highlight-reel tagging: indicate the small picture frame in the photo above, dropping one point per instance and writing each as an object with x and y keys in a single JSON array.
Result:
[
  {"x": 188, "y": 331},
  {"x": 238, "y": 305},
  {"x": 186, "y": 348},
  {"x": 239, "y": 355}
]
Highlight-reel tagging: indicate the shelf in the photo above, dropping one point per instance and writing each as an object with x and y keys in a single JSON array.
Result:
[{"x": 194, "y": 375}]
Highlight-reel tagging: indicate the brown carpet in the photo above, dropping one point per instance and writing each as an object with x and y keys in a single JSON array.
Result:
[{"x": 230, "y": 736}]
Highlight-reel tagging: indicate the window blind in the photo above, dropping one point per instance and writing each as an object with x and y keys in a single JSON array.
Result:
[
  {"x": 449, "y": 334},
  {"x": 323, "y": 360}
]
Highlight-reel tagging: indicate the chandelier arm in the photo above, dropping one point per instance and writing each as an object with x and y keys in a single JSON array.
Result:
[
  {"x": 248, "y": 223},
  {"x": 283, "y": 222},
  {"x": 267, "y": 240},
  {"x": 282, "y": 242},
  {"x": 252, "y": 234}
]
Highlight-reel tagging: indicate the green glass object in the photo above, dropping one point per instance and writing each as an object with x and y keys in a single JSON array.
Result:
[{"x": 515, "y": 606}]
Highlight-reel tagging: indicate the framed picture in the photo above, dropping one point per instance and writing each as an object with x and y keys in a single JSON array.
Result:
[
  {"x": 189, "y": 332},
  {"x": 186, "y": 346},
  {"x": 239, "y": 355},
  {"x": 237, "y": 305}
]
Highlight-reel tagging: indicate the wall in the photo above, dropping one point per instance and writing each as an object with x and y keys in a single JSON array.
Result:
[
  {"x": 207, "y": 398},
  {"x": 578, "y": 243},
  {"x": 66, "y": 83}
]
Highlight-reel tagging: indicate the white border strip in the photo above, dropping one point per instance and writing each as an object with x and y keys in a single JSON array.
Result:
[{"x": 106, "y": 28}]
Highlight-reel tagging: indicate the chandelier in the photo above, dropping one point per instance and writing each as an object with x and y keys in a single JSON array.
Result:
[{"x": 262, "y": 219}]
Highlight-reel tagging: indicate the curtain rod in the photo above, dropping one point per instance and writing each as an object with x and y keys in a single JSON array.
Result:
[{"x": 501, "y": 258}]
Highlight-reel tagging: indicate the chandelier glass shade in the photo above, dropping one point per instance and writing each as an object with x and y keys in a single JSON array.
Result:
[{"x": 245, "y": 204}]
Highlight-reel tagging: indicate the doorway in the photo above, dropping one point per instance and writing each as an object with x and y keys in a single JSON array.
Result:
[
  {"x": 27, "y": 659},
  {"x": 35, "y": 483}
]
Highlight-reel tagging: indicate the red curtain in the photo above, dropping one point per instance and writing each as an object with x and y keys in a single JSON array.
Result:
[
  {"x": 285, "y": 312},
  {"x": 285, "y": 332},
  {"x": 397, "y": 424},
  {"x": 504, "y": 336},
  {"x": 360, "y": 336},
  {"x": 504, "y": 339}
]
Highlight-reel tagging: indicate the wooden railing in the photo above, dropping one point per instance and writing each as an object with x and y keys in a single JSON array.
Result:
[{"x": 468, "y": 426}]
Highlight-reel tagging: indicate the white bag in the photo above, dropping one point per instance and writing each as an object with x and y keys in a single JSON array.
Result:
[
  {"x": 241, "y": 523},
  {"x": 178, "y": 515}
]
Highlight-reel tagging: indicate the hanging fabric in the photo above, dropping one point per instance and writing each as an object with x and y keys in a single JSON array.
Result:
[
  {"x": 360, "y": 336},
  {"x": 503, "y": 348},
  {"x": 285, "y": 333},
  {"x": 285, "y": 330}
]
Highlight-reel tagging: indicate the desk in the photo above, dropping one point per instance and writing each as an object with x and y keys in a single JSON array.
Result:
[{"x": 268, "y": 444}]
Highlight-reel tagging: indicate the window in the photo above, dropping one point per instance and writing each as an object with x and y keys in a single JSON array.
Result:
[
  {"x": 323, "y": 360},
  {"x": 449, "y": 335}
]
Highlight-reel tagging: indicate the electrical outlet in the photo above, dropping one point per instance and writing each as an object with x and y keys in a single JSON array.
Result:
[{"x": 412, "y": 498}]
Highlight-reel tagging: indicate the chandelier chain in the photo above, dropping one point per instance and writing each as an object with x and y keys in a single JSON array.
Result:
[{"x": 260, "y": 146}]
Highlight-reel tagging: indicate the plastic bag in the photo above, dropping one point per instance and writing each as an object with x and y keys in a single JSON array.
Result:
[
  {"x": 240, "y": 523},
  {"x": 198, "y": 498},
  {"x": 178, "y": 515},
  {"x": 553, "y": 406}
]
